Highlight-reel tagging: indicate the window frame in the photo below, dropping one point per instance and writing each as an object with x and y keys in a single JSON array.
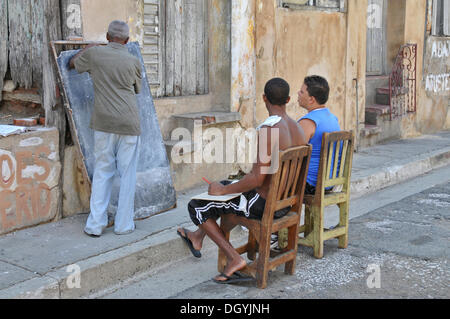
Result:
[
  {"x": 312, "y": 6},
  {"x": 439, "y": 26}
]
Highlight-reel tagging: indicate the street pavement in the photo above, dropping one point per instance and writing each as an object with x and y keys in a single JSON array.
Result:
[
  {"x": 57, "y": 260},
  {"x": 399, "y": 250}
]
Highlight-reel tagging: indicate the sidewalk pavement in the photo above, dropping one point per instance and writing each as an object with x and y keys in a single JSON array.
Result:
[{"x": 44, "y": 261}]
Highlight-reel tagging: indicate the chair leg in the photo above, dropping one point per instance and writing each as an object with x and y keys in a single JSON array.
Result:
[
  {"x": 251, "y": 246},
  {"x": 262, "y": 272},
  {"x": 343, "y": 221},
  {"x": 317, "y": 213},
  {"x": 289, "y": 267},
  {"x": 308, "y": 220}
]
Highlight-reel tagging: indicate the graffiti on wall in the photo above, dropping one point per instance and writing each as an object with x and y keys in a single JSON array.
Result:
[
  {"x": 25, "y": 196},
  {"x": 437, "y": 75}
]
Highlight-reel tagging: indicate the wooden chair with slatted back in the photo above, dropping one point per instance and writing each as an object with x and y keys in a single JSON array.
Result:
[
  {"x": 286, "y": 190},
  {"x": 329, "y": 176}
]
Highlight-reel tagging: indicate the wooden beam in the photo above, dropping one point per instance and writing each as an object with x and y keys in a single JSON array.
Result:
[
  {"x": 50, "y": 97},
  {"x": 3, "y": 43},
  {"x": 71, "y": 25},
  {"x": 20, "y": 44},
  {"x": 22, "y": 95}
]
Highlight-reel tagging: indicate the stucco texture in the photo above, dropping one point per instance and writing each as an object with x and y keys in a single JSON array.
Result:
[
  {"x": 97, "y": 15},
  {"x": 295, "y": 43}
]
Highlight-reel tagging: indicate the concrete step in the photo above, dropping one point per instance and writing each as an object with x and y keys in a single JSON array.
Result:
[
  {"x": 191, "y": 157},
  {"x": 382, "y": 96},
  {"x": 376, "y": 113},
  {"x": 188, "y": 120},
  {"x": 369, "y": 129},
  {"x": 180, "y": 147},
  {"x": 372, "y": 83}
]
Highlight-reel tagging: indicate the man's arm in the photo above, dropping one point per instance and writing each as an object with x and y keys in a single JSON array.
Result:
[
  {"x": 309, "y": 127},
  {"x": 72, "y": 61},
  {"x": 258, "y": 173},
  {"x": 137, "y": 84}
]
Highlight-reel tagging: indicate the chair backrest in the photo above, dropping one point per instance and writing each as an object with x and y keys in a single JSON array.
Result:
[
  {"x": 288, "y": 183},
  {"x": 335, "y": 161}
]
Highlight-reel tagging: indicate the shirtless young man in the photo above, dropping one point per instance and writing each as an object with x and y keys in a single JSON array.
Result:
[{"x": 254, "y": 186}]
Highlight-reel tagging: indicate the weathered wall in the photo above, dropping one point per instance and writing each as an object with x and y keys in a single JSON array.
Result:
[
  {"x": 432, "y": 107},
  {"x": 435, "y": 87},
  {"x": 30, "y": 176},
  {"x": 395, "y": 21},
  {"x": 243, "y": 61},
  {"x": 355, "y": 66},
  {"x": 218, "y": 99},
  {"x": 296, "y": 43},
  {"x": 96, "y": 16},
  {"x": 76, "y": 194}
]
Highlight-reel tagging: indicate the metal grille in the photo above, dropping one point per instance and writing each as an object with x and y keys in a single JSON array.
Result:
[{"x": 403, "y": 82}]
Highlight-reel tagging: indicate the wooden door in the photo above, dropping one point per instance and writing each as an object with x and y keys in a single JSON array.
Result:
[
  {"x": 376, "y": 37},
  {"x": 176, "y": 46}
]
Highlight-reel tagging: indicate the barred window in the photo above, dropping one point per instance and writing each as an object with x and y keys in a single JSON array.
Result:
[{"x": 328, "y": 5}]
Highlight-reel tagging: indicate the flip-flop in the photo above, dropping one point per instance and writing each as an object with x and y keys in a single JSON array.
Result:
[
  {"x": 194, "y": 251},
  {"x": 234, "y": 278}
]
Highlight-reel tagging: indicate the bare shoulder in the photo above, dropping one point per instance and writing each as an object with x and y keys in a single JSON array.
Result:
[{"x": 297, "y": 132}]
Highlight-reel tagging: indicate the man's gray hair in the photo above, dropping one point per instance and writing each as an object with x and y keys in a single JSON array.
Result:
[{"x": 119, "y": 30}]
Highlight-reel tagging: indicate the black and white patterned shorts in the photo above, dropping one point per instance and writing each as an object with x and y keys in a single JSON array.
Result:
[{"x": 202, "y": 210}]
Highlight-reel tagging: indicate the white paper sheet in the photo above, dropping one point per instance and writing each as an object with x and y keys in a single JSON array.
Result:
[
  {"x": 6, "y": 130},
  {"x": 223, "y": 198}
]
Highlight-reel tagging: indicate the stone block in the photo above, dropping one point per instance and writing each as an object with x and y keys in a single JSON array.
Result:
[{"x": 29, "y": 179}]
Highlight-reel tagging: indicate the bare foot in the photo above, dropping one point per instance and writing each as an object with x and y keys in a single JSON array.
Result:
[{"x": 231, "y": 268}]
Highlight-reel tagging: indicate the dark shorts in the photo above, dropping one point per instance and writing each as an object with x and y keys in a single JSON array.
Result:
[
  {"x": 202, "y": 210},
  {"x": 311, "y": 190}
]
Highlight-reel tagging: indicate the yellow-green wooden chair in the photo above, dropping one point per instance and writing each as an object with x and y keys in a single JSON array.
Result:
[{"x": 334, "y": 170}]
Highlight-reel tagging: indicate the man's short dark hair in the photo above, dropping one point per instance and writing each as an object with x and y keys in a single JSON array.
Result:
[
  {"x": 277, "y": 91},
  {"x": 318, "y": 87}
]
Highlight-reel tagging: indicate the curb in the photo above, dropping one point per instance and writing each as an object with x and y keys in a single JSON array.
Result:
[
  {"x": 108, "y": 269},
  {"x": 395, "y": 174}
]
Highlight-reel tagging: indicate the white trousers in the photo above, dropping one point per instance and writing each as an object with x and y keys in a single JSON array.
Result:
[{"x": 113, "y": 151}]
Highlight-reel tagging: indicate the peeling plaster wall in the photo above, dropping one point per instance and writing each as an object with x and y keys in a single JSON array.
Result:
[
  {"x": 30, "y": 171},
  {"x": 432, "y": 108},
  {"x": 97, "y": 15},
  {"x": 243, "y": 60},
  {"x": 395, "y": 21},
  {"x": 295, "y": 43},
  {"x": 434, "y": 89}
]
